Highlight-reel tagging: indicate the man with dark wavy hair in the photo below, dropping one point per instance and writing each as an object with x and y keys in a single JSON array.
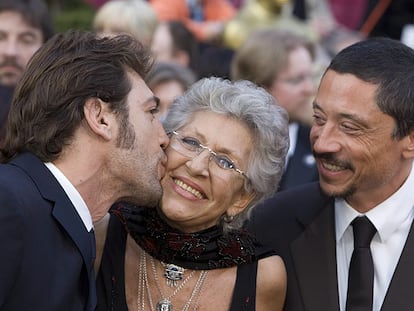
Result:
[{"x": 82, "y": 133}]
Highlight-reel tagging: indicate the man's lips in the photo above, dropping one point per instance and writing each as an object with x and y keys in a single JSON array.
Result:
[
  {"x": 331, "y": 166},
  {"x": 331, "y": 163},
  {"x": 10, "y": 66}
]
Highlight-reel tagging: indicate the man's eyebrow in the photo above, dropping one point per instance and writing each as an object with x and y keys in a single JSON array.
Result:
[
  {"x": 157, "y": 100},
  {"x": 154, "y": 99},
  {"x": 315, "y": 105},
  {"x": 351, "y": 116}
]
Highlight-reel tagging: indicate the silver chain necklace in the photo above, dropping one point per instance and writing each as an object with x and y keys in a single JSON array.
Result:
[{"x": 165, "y": 303}]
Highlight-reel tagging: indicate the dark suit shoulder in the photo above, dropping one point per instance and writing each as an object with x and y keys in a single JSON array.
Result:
[
  {"x": 303, "y": 134},
  {"x": 282, "y": 217},
  {"x": 298, "y": 200},
  {"x": 12, "y": 180}
]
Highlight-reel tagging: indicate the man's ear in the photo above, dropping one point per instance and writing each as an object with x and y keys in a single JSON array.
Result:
[
  {"x": 99, "y": 118},
  {"x": 408, "y": 151}
]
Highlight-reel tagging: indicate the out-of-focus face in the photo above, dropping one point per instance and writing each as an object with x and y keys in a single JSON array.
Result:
[
  {"x": 137, "y": 162},
  {"x": 197, "y": 192},
  {"x": 162, "y": 44},
  {"x": 357, "y": 157},
  {"x": 18, "y": 42},
  {"x": 166, "y": 92},
  {"x": 294, "y": 87}
]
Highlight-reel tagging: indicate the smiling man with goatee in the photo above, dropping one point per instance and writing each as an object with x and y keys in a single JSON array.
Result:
[{"x": 347, "y": 240}]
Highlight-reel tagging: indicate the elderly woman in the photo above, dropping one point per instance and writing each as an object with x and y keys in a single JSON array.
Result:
[{"x": 228, "y": 143}]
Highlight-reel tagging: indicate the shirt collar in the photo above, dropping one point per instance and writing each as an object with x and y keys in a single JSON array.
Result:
[
  {"x": 386, "y": 217},
  {"x": 73, "y": 194},
  {"x": 293, "y": 137}
]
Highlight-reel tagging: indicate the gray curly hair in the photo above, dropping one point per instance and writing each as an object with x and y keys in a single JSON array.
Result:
[{"x": 258, "y": 111}]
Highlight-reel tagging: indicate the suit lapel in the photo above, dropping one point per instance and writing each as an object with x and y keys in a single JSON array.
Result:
[
  {"x": 314, "y": 258},
  {"x": 400, "y": 295},
  {"x": 63, "y": 211},
  {"x": 68, "y": 218}
]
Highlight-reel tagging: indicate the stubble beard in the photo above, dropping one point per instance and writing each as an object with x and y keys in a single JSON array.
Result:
[
  {"x": 146, "y": 189},
  {"x": 341, "y": 194}
]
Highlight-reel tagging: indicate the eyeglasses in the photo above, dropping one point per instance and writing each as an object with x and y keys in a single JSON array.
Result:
[{"x": 191, "y": 148}]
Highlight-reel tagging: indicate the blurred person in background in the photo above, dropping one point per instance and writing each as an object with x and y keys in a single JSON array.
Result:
[
  {"x": 134, "y": 17},
  {"x": 24, "y": 26},
  {"x": 259, "y": 14},
  {"x": 172, "y": 42},
  {"x": 283, "y": 63},
  {"x": 206, "y": 19},
  {"x": 167, "y": 81},
  {"x": 332, "y": 35}
]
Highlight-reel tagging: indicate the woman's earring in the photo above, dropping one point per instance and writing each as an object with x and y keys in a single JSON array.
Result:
[{"x": 228, "y": 218}]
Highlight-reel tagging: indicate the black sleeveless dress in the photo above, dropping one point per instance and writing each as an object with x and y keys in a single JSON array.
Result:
[{"x": 111, "y": 281}]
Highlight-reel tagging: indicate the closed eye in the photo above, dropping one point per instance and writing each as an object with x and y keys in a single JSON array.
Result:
[
  {"x": 155, "y": 110},
  {"x": 318, "y": 120},
  {"x": 351, "y": 128},
  {"x": 190, "y": 143}
]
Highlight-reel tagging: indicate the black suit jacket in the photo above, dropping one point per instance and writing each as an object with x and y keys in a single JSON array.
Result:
[
  {"x": 301, "y": 167},
  {"x": 46, "y": 252},
  {"x": 300, "y": 225}
]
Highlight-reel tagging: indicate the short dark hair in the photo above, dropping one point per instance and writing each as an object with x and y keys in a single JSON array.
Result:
[
  {"x": 62, "y": 75},
  {"x": 389, "y": 64},
  {"x": 35, "y": 12}
]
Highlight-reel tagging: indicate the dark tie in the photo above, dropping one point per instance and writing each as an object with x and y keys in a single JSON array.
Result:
[
  {"x": 92, "y": 286},
  {"x": 361, "y": 269}
]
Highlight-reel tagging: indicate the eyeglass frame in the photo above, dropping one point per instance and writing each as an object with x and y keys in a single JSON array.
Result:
[{"x": 200, "y": 148}]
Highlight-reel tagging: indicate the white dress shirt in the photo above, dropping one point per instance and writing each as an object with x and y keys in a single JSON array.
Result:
[
  {"x": 74, "y": 196},
  {"x": 392, "y": 219},
  {"x": 293, "y": 138}
]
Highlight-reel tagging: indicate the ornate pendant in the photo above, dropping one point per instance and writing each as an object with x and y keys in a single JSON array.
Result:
[
  {"x": 173, "y": 274},
  {"x": 164, "y": 305}
]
